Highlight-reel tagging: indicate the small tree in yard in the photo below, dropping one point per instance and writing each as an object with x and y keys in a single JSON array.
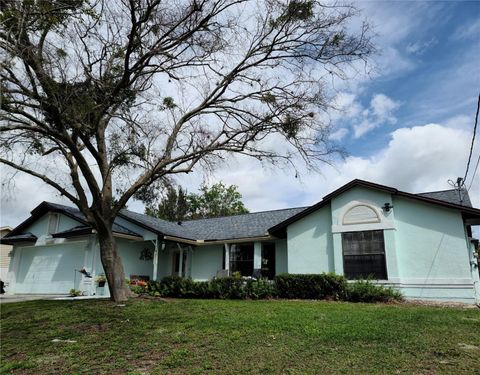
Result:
[{"x": 103, "y": 100}]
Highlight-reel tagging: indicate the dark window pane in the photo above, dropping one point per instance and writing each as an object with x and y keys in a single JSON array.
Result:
[
  {"x": 364, "y": 254},
  {"x": 241, "y": 259}
]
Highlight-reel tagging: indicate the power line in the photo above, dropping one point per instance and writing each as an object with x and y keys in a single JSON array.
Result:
[
  {"x": 474, "y": 173},
  {"x": 473, "y": 140}
]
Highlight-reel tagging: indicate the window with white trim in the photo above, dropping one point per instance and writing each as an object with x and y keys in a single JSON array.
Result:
[{"x": 364, "y": 255}]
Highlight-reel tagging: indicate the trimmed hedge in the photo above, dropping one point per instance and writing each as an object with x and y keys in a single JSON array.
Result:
[
  {"x": 367, "y": 291},
  {"x": 222, "y": 288},
  {"x": 291, "y": 286},
  {"x": 315, "y": 286}
]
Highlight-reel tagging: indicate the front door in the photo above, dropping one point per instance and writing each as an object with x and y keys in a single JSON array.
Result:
[
  {"x": 268, "y": 260},
  {"x": 179, "y": 269}
]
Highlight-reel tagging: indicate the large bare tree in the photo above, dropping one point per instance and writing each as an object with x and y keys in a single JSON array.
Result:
[{"x": 102, "y": 99}]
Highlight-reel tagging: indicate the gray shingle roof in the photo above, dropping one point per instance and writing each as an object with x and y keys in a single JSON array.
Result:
[
  {"x": 72, "y": 211},
  {"x": 452, "y": 196},
  {"x": 255, "y": 224},
  {"x": 77, "y": 214},
  {"x": 85, "y": 229},
  {"x": 221, "y": 228},
  {"x": 158, "y": 225}
]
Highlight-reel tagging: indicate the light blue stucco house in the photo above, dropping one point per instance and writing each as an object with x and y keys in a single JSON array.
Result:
[{"x": 419, "y": 243}]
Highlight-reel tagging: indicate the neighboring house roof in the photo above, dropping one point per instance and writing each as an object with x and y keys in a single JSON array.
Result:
[
  {"x": 456, "y": 196},
  {"x": 467, "y": 211},
  {"x": 257, "y": 224}
]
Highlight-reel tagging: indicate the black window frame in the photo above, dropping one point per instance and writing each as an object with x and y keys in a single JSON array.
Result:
[
  {"x": 241, "y": 258},
  {"x": 367, "y": 256}
]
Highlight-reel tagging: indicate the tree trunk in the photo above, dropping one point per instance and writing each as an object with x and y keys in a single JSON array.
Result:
[{"x": 113, "y": 267}]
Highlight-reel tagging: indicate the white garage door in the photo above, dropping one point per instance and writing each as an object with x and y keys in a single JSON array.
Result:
[{"x": 49, "y": 269}]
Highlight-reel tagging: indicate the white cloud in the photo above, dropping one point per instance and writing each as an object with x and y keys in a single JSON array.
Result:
[
  {"x": 363, "y": 128},
  {"x": 380, "y": 111},
  {"x": 459, "y": 122},
  {"x": 347, "y": 106},
  {"x": 418, "y": 48},
  {"x": 383, "y": 107},
  {"x": 467, "y": 31},
  {"x": 339, "y": 134}
]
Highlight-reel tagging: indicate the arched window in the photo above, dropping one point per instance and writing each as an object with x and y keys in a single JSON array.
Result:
[{"x": 361, "y": 214}]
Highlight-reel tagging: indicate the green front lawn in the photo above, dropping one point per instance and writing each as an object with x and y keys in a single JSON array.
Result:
[{"x": 237, "y": 337}]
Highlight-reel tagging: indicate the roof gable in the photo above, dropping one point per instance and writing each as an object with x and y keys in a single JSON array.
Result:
[
  {"x": 42, "y": 209},
  {"x": 433, "y": 198},
  {"x": 84, "y": 228}
]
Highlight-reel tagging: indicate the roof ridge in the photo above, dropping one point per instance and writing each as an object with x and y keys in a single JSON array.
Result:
[
  {"x": 61, "y": 204},
  {"x": 440, "y": 191},
  {"x": 237, "y": 215},
  {"x": 149, "y": 216}
]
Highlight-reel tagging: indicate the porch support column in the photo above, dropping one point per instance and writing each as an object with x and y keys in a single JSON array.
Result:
[
  {"x": 227, "y": 258},
  {"x": 257, "y": 255},
  {"x": 189, "y": 261},
  {"x": 155, "y": 260},
  {"x": 180, "y": 266}
]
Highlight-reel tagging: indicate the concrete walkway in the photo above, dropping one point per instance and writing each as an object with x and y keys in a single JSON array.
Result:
[{"x": 5, "y": 298}]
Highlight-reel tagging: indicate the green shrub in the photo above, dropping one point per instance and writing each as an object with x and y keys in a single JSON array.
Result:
[
  {"x": 260, "y": 289},
  {"x": 234, "y": 287},
  {"x": 367, "y": 291},
  {"x": 228, "y": 288},
  {"x": 315, "y": 286},
  {"x": 173, "y": 286},
  {"x": 137, "y": 289},
  {"x": 202, "y": 289}
]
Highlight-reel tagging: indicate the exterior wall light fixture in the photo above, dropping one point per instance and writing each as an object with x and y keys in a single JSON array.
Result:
[{"x": 387, "y": 207}]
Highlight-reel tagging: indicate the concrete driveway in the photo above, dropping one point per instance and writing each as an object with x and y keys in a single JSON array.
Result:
[{"x": 27, "y": 297}]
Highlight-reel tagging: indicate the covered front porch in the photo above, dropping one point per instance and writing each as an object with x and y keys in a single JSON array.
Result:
[{"x": 220, "y": 259}]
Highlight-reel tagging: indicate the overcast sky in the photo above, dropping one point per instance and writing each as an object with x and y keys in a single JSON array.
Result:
[{"x": 409, "y": 125}]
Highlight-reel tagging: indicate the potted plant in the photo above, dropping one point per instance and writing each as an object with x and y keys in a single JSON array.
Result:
[
  {"x": 101, "y": 280},
  {"x": 74, "y": 293}
]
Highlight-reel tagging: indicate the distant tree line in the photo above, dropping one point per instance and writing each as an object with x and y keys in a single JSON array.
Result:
[{"x": 211, "y": 201}]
